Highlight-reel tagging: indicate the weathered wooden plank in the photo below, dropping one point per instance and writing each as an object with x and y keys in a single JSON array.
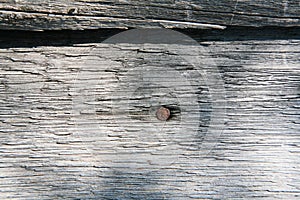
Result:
[
  {"x": 63, "y": 136},
  {"x": 37, "y": 21},
  {"x": 62, "y": 14}
]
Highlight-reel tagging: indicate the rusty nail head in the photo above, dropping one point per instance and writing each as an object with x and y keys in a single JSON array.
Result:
[{"x": 163, "y": 114}]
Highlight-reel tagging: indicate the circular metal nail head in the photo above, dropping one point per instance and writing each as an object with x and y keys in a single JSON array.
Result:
[{"x": 163, "y": 114}]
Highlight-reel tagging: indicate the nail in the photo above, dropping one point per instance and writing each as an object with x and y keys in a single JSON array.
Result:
[{"x": 163, "y": 114}]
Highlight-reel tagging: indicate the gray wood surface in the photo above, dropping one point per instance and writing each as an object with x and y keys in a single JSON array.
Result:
[
  {"x": 93, "y": 14},
  {"x": 73, "y": 127}
]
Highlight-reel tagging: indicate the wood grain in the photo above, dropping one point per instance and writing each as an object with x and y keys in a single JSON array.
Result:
[
  {"x": 60, "y": 142},
  {"x": 94, "y": 14}
]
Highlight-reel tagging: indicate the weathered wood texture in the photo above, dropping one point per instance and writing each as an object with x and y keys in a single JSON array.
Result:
[
  {"x": 93, "y": 14},
  {"x": 63, "y": 136}
]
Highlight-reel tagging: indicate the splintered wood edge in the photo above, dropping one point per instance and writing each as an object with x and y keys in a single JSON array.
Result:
[{"x": 38, "y": 22}]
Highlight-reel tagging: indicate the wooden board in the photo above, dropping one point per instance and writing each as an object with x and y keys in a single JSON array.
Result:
[
  {"x": 69, "y": 131},
  {"x": 94, "y": 14}
]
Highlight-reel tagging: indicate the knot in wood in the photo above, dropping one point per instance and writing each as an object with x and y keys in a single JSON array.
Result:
[{"x": 163, "y": 114}]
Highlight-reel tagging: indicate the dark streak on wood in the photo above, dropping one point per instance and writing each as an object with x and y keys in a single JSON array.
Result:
[{"x": 69, "y": 37}]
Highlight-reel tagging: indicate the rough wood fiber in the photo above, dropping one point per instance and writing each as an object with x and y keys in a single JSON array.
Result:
[
  {"x": 48, "y": 151},
  {"x": 93, "y": 14}
]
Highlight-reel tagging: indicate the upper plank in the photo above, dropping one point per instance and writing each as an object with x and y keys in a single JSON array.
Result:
[{"x": 94, "y": 14}]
